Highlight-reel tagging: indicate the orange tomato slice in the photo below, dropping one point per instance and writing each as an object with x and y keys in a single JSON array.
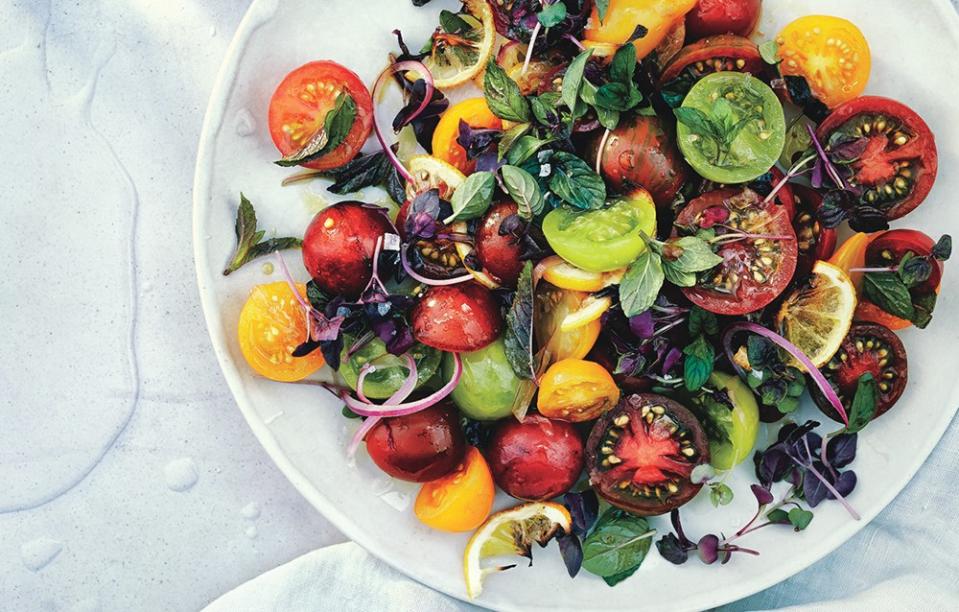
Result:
[
  {"x": 476, "y": 114},
  {"x": 659, "y": 17},
  {"x": 461, "y": 500},
  {"x": 576, "y": 390}
]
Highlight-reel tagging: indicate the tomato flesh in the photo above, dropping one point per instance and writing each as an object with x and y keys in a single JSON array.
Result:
[
  {"x": 576, "y": 390},
  {"x": 901, "y": 161},
  {"x": 755, "y": 271},
  {"x": 301, "y": 102},
  {"x": 814, "y": 241},
  {"x": 712, "y": 17},
  {"x": 457, "y": 318}
]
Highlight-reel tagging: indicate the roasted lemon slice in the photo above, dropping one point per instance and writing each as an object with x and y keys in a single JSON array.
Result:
[
  {"x": 458, "y": 56},
  {"x": 432, "y": 173}
]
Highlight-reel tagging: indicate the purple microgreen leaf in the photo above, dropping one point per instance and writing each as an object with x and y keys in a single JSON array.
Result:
[
  {"x": 583, "y": 508},
  {"x": 763, "y": 496},
  {"x": 642, "y": 325},
  {"x": 671, "y": 359},
  {"x": 845, "y": 484},
  {"x": 671, "y": 549},
  {"x": 708, "y": 548},
  {"x": 841, "y": 450}
]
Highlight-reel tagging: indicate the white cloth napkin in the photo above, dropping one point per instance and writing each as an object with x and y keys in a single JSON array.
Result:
[{"x": 906, "y": 560}]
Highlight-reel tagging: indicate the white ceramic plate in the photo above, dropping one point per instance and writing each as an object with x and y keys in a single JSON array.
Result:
[{"x": 914, "y": 46}]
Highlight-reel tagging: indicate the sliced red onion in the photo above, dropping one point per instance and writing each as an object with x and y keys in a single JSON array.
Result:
[
  {"x": 401, "y": 394},
  {"x": 793, "y": 350},
  {"x": 529, "y": 49},
  {"x": 430, "y": 281},
  {"x": 390, "y": 409},
  {"x": 409, "y": 65},
  {"x": 366, "y": 370}
]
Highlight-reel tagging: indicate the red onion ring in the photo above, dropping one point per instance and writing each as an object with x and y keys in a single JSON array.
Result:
[
  {"x": 401, "y": 394},
  {"x": 409, "y": 65},
  {"x": 426, "y": 280},
  {"x": 389, "y": 409},
  {"x": 793, "y": 350}
]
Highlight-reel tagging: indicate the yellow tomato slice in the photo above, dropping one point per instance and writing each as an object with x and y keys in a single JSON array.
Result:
[{"x": 659, "y": 17}]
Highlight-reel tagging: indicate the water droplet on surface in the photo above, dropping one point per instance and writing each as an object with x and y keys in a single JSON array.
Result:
[
  {"x": 251, "y": 511},
  {"x": 146, "y": 287},
  {"x": 251, "y": 532},
  {"x": 180, "y": 474},
  {"x": 398, "y": 500},
  {"x": 38, "y": 554},
  {"x": 212, "y": 31},
  {"x": 245, "y": 123},
  {"x": 267, "y": 268}
]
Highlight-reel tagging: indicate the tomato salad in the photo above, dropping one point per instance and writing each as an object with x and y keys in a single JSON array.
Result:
[{"x": 599, "y": 273}]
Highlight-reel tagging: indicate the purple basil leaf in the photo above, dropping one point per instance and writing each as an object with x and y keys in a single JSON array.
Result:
[
  {"x": 849, "y": 151},
  {"x": 841, "y": 450},
  {"x": 671, "y": 359},
  {"x": 476, "y": 141},
  {"x": 708, "y": 548},
  {"x": 845, "y": 483},
  {"x": 817, "y": 174},
  {"x": 763, "y": 496},
  {"x": 489, "y": 161},
  {"x": 671, "y": 549},
  {"x": 572, "y": 550},
  {"x": 814, "y": 490},
  {"x": 584, "y": 509},
  {"x": 642, "y": 325},
  {"x": 331, "y": 352}
]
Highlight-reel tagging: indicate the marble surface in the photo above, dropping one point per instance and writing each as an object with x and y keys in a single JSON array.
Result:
[{"x": 128, "y": 479}]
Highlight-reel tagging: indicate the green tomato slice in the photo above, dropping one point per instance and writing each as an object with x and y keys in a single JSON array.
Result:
[
  {"x": 488, "y": 386},
  {"x": 741, "y": 132},
  {"x": 602, "y": 240},
  {"x": 741, "y": 425},
  {"x": 391, "y": 370}
]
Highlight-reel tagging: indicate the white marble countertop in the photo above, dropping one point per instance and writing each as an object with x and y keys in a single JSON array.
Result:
[{"x": 128, "y": 479}]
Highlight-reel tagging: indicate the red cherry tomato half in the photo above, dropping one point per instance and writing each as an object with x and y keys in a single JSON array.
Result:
[
  {"x": 715, "y": 54},
  {"x": 300, "y": 103},
  {"x": 712, "y": 17},
  {"x": 900, "y": 162},
  {"x": 339, "y": 244},
  {"x": 537, "y": 459},
  {"x": 499, "y": 254},
  {"x": 457, "y": 318},
  {"x": 418, "y": 447},
  {"x": 888, "y": 248},
  {"x": 755, "y": 270},
  {"x": 815, "y": 242}
]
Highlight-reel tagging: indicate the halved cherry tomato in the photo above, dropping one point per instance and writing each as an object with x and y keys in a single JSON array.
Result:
[
  {"x": 551, "y": 306},
  {"x": 711, "y": 17},
  {"x": 272, "y": 324},
  {"x": 900, "y": 163},
  {"x": 499, "y": 253},
  {"x": 754, "y": 271},
  {"x": 300, "y": 103},
  {"x": 461, "y": 500},
  {"x": 830, "y": 53},
  {"x": 815, "y": 241},
  {"x": 418, "y": 447},
  {"x": 457, "y": 318},
  {"x": 576, "y": 390},
  {"x": 724, "y": 53},
  {"x": 659, "y": 17},
  {"x": 476, "y": 114}
]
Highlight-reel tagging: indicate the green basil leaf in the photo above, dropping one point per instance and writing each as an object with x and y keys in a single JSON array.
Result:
[
  {"x": 510, "y": 138},
  {"x": 697, "y": 255},
  {"x": 864, "y": 403},
  {"x": 641, "y": 283},
  {"x": 518, "y": 336},
  {"x": 778, "y": 516},
  {"x": 609, "y": 119},
  {"x": 943, "y": 249},
  {"x": 601, "y": 7},
  {"x": 575, "y": 183},
  {"x": 623, "y": 66},
  {"x": 544, "y": 108},
  {"x": 618, "y": 97},
  {"x": 503, "y": 95},
  {"x": 698, "y": 363},
  {"x": 678, "y": 277},
  {"x": 923, "y": 305},
  {"x": 573, "y": 79},
  {"x": 617, "y": 578},
  {"x": 617, "y": 544},
  {"x": 552, "y": 14},
  {"x": 525, "y": 147},
  {"x": 473, "y": 197},
  {"x": 913, "y": 270},
  {"x": 769, "y": 51},
  {"x": 702, "y": 322},
  {"x": 697, "y": 121},
  {"x": 336, "y": 126},
  {"x": 453, "y": 23},
  {"x": 887, "y": 291},
  {"x": 800, "y": 518},
  {"x": 248, "y": 245},
  {"x": 524, "y": 190}
]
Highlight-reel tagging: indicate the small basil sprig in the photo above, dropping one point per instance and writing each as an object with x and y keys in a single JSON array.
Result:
[
  {"x": 473, "y": 197},
  {"x": 524, "y": 190},
  {"x": 721, "y": 126},
  {"x": 518, "y": 336},
  {"x": 249, "y": 240},
  {"x": 573, "y": 79},
  {"x": 503, "y": 95},
  {"x": 336, "y": 126},
  {"x": 698, "y": 359},
  {"x": 617, "y": 546},
  {"x": 897, "y": 289},
  {"x": 574, "y": 182},
  {"x": 678, "y": 259},
  {"x": 864, "y": 404},
  {"x": 552, "y": 14}
]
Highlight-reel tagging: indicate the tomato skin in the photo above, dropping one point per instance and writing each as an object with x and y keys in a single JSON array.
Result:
[
  {"x": 537, "y": 459},
  {"x": 488, "y": 387},
  {"x": 642, "y": 152},
  {"x": 301, "y": 101},
  {"x": 735, "y": 52},
  {"x": 743, "y": 425},
  {"x": 816, "y": 242},
  {"x": 875, "y": 166},
  {"x": 752, "y": 294},
  {"x": 499, "y": 254},
  {"x": 461, "y": 500},
  {"x": 622, "y": 16},
  {"x": 418, "y": 447},
  {"x": 339, "y": 244},
  {"x": 272, "y": 324},
  {"x": 712, "y": 17},
  {"x": 576, "y": 390},
  {"x": 551, "y": 305},
  {"x": 457, "y": 318},
  {"x": 476, "y": 114}
]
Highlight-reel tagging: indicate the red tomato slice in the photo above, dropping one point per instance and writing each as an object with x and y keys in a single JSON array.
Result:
[
  {"x": 754, "y": 271},
  {"x": 715, "y": 54},
  {"x": 300, "y": 103}
]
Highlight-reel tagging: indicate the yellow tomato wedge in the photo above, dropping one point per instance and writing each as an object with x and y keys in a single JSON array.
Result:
[
  {"x": 565, "y": 275},
  {"x": 659, "y": 17},
  {"x": 508, "y": 533}
]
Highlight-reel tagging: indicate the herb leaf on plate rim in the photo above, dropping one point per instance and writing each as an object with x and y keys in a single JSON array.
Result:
[{"x": 249, "y": 241}]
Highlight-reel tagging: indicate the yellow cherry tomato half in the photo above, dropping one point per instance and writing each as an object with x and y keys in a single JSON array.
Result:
[
  {"x": 659, "y": 17},
  {"x": 830, "y": 52},
  {"x": 461, "y": 500},
  {"x": 272, "y": 324},
  {"x": 576, "y": 390},
  {"x": 476, "y": 114},
  {"x": 551, "y": 307}
]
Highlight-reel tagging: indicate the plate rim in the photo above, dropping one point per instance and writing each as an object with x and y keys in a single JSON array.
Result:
[{"x": 213, "y": 120}]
